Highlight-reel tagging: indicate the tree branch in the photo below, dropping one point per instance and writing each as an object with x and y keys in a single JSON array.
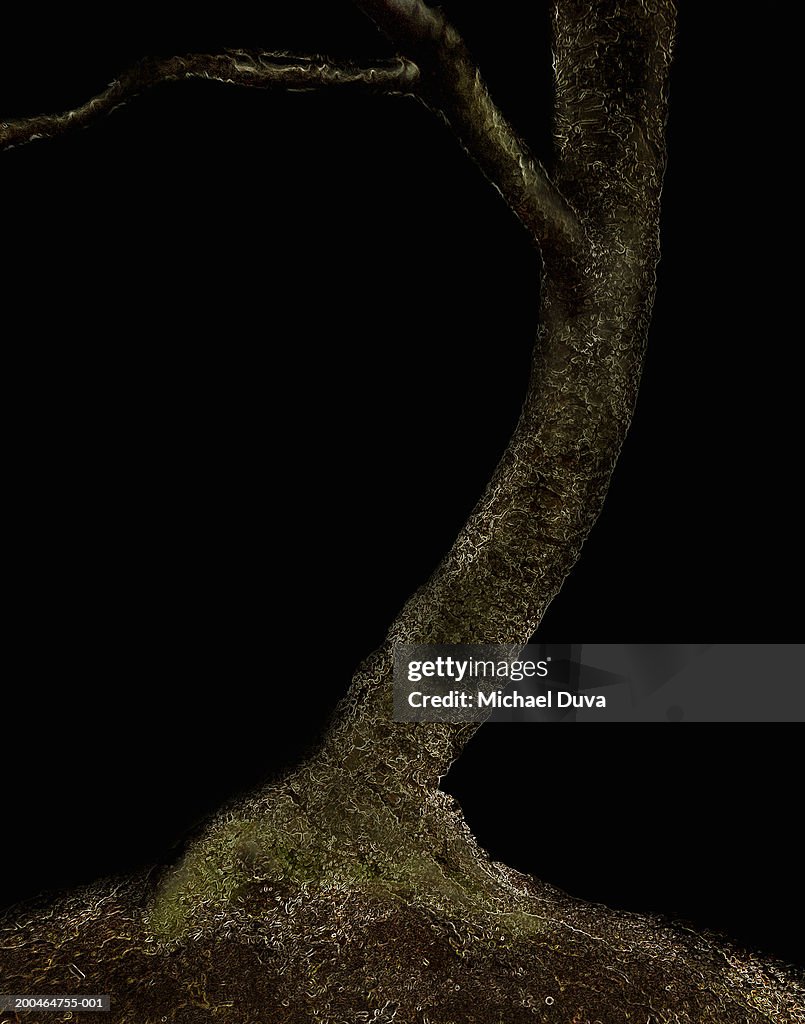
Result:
[
  {"x": 452, "y": 84},
  {"x": 241, "y": 67}
]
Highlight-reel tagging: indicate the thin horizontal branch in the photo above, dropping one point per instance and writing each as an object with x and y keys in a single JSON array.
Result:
[
  {"x": 452, "y": 84},
  {"x": 242, "y": 67}
]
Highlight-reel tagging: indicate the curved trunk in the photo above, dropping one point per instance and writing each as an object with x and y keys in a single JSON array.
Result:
[
  {"x": 612, "y": 61},
  {"x": 352, "y": 890}
]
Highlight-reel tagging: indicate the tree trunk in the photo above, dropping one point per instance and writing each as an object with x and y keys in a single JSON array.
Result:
[{"x": 351, "y": 890}]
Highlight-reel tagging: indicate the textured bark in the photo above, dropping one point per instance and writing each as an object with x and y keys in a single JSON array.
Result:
[
  {"x": 509, "y": 561},
  {"x": 322, "y": 902},
  {"x": 253, "y": 69},
  {"x": 351, "y": 890}
]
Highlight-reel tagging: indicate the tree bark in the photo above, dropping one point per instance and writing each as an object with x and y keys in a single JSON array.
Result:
[
  {"x": 508, "y": 563},
  {"x": 351, "y": 890}
]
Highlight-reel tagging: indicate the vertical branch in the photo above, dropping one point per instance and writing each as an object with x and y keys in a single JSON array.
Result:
[{"x": 612, "y": 62}]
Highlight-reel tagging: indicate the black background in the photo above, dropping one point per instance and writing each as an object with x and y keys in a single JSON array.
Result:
[{"x": 261, "y": 353}]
